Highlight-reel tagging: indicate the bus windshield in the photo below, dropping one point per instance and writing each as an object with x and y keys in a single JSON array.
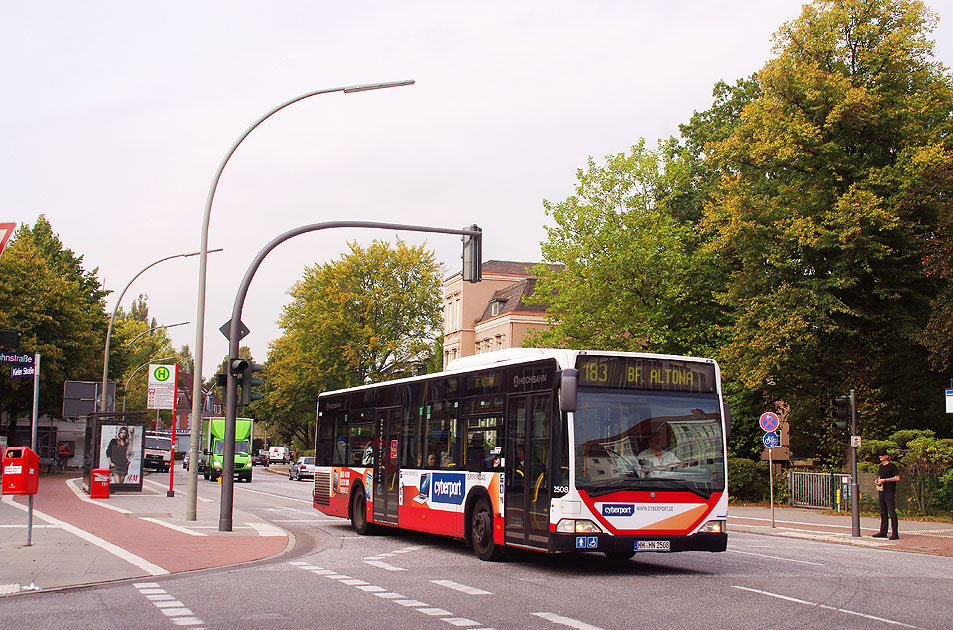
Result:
[{"x": 632, "y": 440}]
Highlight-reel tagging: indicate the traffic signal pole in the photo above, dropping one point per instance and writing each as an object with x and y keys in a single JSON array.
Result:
[
  {"x": 854, "y": 486},
  {"x": 472, "y": 254}
]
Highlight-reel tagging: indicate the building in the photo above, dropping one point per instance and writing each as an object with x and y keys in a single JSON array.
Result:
[{"x": 491, "y": 314}]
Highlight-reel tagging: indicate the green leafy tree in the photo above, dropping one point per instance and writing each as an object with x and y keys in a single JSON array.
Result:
[
  {"x": 825, "y": 203},
  {"x": 58, "y": 307},
  {"x": 627, "y": 277}
]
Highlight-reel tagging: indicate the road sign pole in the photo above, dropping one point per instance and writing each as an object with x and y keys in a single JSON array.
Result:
[
  {"x": 771, "y": 483},
  {"x": 33, "y": 431}
]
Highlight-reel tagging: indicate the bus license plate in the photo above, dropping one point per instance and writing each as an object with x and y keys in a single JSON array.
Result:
[{"x": 653, "y": 545}]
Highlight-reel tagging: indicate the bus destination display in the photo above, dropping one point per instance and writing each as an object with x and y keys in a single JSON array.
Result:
[{"x": 652, "y": 374}]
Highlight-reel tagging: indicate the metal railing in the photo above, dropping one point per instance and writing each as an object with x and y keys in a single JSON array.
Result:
[{"x": 812, "y": 490}]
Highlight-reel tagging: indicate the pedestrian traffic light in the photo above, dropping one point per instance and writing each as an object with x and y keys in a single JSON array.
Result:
[
  {"x": 249, "y": 381},
  {"x": 840, "y": 413},
  {"x": 472, "y": 255}
]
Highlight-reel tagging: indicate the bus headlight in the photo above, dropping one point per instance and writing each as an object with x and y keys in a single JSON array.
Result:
[
  {"x": 573, "y": 526},
  {"x": 713, "y": 527}
]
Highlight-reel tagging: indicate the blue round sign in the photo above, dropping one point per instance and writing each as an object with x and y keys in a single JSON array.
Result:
[
  {"x": 771, "y": 439},
  {"x": 769, "y": 421}
]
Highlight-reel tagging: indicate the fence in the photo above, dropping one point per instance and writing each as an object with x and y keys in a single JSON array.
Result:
[{"x": 813, "y": 490}]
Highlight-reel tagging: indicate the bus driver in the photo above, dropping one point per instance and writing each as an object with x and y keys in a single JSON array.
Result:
[{"x": 655, "y": 457}]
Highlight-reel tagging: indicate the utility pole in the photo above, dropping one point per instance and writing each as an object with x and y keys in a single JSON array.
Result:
[{"x": 854, "y": 486}]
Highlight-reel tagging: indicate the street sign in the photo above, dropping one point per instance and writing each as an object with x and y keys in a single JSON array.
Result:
[
  {"x": 771, "y": 439},
  {"x": 20, "y": 371},
  {"x": 6, "y": 230},
  {"x": 855, "y": 441},
  {"x": 22, "y": 359},
  {"x": 769, "y": 421},
  {"x": 949, "y": 401},
  {"x": 242, "y": 329}
]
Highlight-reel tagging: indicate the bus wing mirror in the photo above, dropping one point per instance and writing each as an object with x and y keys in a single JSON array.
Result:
[
  {"x": 568, "y": 386},
  {"x": 726, "y": 413}
]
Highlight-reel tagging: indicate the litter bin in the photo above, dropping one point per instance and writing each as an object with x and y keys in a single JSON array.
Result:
[
  {"x": 21, "y": 470},
  {"x": 99, "y": 484}
]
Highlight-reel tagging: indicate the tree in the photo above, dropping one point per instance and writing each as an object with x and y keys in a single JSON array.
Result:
[
  {"x": 58, "y": 307},
  {"x": 825, "y": 203},
  {"x": 627, "y": 276},
  {"x": 371, "y": 316}
]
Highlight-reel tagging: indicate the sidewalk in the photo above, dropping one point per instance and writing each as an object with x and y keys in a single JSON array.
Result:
[
  {"x": 79, "y": 541},
  {"x": 915, "y": 536}
]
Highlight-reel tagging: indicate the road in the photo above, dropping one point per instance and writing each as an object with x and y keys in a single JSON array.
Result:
[{"x": 335, "y": 579}]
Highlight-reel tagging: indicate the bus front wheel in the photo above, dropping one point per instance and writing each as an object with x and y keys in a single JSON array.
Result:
[{"x": 481, "y": 532}]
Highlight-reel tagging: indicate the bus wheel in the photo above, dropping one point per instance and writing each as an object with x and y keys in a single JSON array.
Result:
[
  {"x": 359, "y": 514},
  {"x": 619, "y": 555},
  {"x": 481, "y": 532}
]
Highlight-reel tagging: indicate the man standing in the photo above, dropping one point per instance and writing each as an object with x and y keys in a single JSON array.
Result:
[{"x": 887, "y": 478}]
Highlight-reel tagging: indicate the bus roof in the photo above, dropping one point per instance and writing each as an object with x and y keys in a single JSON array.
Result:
[{"x": 564, "y": 358}]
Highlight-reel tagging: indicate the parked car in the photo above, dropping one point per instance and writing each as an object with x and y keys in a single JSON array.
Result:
[
  {"x": 185, "y": 461},
  {"x": 260, "y": 459},
  {"x": 302, "y": 469}
]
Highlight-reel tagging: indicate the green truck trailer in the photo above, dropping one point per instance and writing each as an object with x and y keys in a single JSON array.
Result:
[{"x": 213, "y": 448}]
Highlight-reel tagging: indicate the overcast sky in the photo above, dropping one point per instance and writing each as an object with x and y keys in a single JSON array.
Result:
[{"x": 116, "y": 116}]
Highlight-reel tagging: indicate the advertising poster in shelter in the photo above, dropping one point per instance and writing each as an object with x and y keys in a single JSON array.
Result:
[{"x": 120, "y": 449}]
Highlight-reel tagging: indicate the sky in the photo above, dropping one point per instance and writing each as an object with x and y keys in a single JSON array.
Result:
[{"x": 117, "y": 115}]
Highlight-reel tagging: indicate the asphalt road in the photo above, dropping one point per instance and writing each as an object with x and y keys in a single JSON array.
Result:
[{"x": 335, "y": 579}]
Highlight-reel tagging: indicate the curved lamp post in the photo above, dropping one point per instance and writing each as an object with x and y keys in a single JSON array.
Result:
[
  {"x": 109, "y": 330},
  {"x": 195, "y": 421}
]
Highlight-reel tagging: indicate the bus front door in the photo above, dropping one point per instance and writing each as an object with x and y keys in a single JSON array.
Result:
[
  {"x": 527, "y": 484},
  {"x": 386, "y": 473}
]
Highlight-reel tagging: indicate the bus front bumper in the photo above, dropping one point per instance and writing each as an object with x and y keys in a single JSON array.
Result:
[{"x": 620, "y": 544}]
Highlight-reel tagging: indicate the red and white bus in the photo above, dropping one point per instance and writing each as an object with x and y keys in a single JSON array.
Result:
[{"x": 550, "y": 450}]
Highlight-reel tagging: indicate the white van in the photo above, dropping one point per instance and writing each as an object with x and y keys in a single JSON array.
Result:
[
  {"x": 158, "y": 452},
  {"x": 279, "y": 454}
]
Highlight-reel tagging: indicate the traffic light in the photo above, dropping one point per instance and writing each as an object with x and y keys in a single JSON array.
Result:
[
  {"x": 472, "y": 255},
  {"x": 840, "y": 414},
  {"x": 249, "y": 381}
]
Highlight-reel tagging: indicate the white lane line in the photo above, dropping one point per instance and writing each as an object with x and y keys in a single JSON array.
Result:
[
  {"x": 824, "y": 606},
  {"x": 266, "y": 529},
  {"x": 463, "y": 588},
  {"x": 435, "y": 612},
  {"x": 278, "y": 496},
  {"x": 764, "y": 555},
  {"x": 168, "y": 605},
  {"x": 566, "y": 621},
  {"x": 178, "y": 528},
  {"x": 119, "y": 552},
  {"x": 461, "y": 622},
  {"x": 391, "y": 595},
  {"x": 384, "y": 565},
  {"x": 411, "y": 603}
]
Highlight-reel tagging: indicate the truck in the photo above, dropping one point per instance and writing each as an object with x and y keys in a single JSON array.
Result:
[
  {"x": 279, "y": 454},
  {"x": 213, "y": 448},
  {"x": 158, "y": 452}
]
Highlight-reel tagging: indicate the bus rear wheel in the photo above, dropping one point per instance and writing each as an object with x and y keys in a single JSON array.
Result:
[
  {"x": 481, "y": 532},
  {"x": 359, "y": 513}
]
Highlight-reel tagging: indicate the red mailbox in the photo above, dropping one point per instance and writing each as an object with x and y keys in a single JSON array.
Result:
[
  {"x": 21, "y": 470},
  {"x": 99, "y": 484}
]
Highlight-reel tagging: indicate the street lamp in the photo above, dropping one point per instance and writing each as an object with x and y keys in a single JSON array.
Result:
[
  {"x": 129, "y": 378},
  {"x": 109, "y": 330},
  {"x": 200, "y": 301},
  {"x": 145, "y": 332}
]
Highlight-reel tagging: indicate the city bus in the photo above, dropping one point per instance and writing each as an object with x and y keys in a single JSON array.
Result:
[{"x": 540, "y": 449}]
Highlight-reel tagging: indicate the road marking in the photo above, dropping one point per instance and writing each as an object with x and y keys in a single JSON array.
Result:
[
  {"x": 463, "y": 588},
  {"x": 764, "y": 555},
  {"x": 398, "y": 598},
  {"x": 119, "y": 552},
  {"x": 168, "y": 605},
  {"x": 823, "y": 606},
  {"x": 277, "y": 496},
  {"x": 384, "y": 565},
  {"x": 266, "y": 529},
  {"x": 78, "y": 491},
  {"x": 566, "y": 621}
]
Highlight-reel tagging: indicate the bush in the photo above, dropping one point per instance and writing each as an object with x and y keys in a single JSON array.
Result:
[{"x": 748, "y": 480}]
